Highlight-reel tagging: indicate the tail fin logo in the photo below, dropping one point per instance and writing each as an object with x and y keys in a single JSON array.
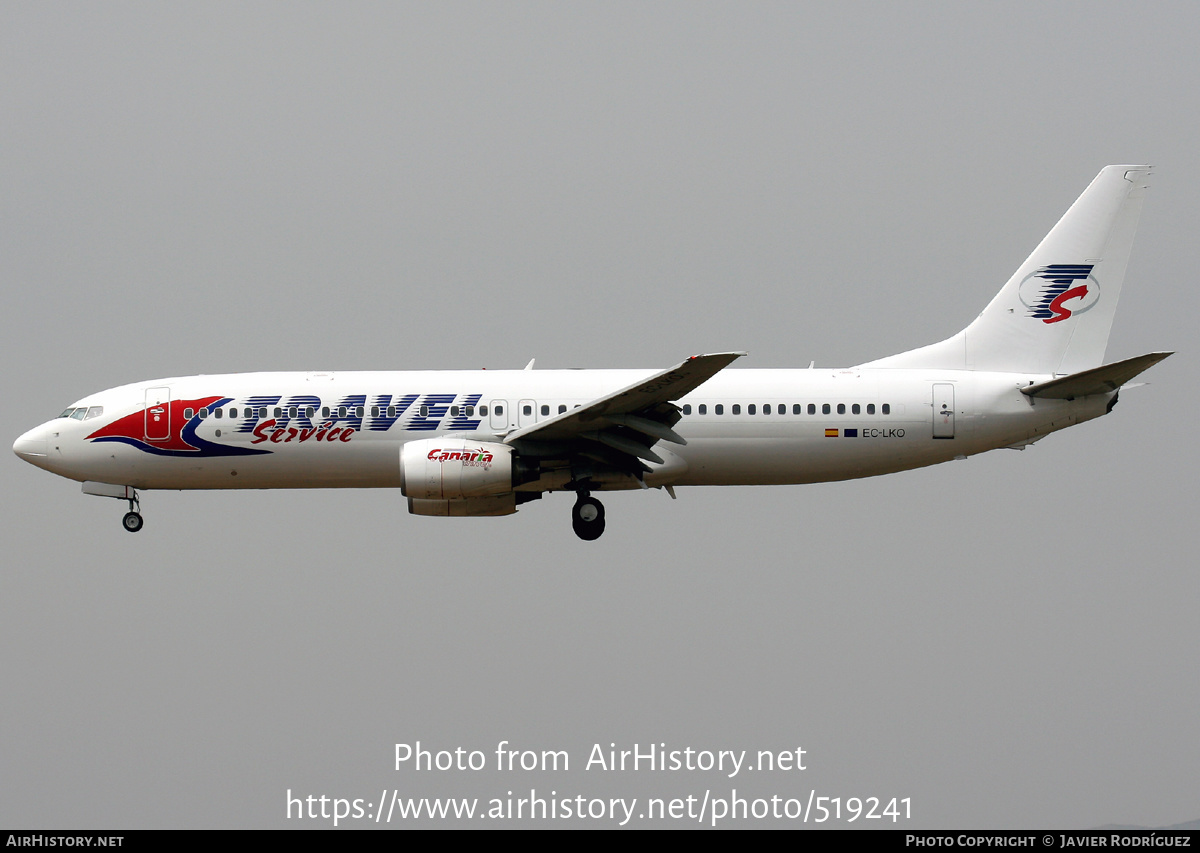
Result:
[{"x": 1055, "y": 292}]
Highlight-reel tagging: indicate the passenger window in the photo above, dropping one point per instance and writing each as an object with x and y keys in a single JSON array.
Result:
[
  {"x": 454, "y": 411},
  {"x": 527, "y": 410},
  {"x": 766, "y": 408},
  {"x": 812, "y": 408},
  {"x": 233, "y": 413},
  {"x": 203, "y": 414},
  {"x": 855, "y": 409},
  {"x": 374, "y": 411},
  {"x": 886, "y": 408},
  {"x": 483, "y": 411},
  {"x": 797, "y": 409},
  {"x": 824, "y": 408},
  {"x": 342, "y": 411},
  {"x": 719, "y": 408},
  {"x": 278, "y": 412},
  {"x": 218, "y": 413},
  {"x": 291, "y": 412},
  {"x": 545, "y": 410},
  {"x": 751, "y": 409},
  {"x": 358, "y": 411},
  {"x": 312, "y": 410},
  {"x": 425, "y": 411},
  {"x": 562, "y": 408},
  {"x": 737, "y": 408},
  {"x": 703, "y": 408},
  {"x": 470, "y": 411},
  {"x": 324, "y": 411},
  {"x": 870, "y": 408},
  {"x": 841, "y": 408},
  {"x": 187, "y": 414},
  {"x": 499, "y": 410}
]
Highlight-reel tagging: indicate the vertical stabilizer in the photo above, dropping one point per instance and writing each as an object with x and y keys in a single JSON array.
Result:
[{"x": 1054, "y": 314}]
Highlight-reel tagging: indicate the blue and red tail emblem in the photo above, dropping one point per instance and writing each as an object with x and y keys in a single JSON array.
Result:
[{"x": 1055, "y": 292}]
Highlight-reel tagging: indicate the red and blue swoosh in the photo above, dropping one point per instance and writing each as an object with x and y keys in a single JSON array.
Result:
[{"x": 182, "y": 441}]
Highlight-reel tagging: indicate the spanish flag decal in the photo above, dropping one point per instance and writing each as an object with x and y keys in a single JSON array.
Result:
[{"x": 831, "y": 433}]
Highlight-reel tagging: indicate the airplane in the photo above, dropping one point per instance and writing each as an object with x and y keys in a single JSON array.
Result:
[{"x": 483, "y": 442}]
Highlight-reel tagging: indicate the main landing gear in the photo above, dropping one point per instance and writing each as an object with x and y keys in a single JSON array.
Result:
[
  {"x": 587, "y": 517},
  {"x": 133, "y": 519}
]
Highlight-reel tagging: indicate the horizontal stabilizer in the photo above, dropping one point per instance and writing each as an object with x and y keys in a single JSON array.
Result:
[{"x": 1098, "y": 380}]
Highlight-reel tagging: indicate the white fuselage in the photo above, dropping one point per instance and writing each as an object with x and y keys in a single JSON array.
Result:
[
  {"x": 482, "y": 443},
  {"x": 741, "y": 426}
]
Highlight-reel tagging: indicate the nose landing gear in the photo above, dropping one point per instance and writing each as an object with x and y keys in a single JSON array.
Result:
[
  {"x": 587, "y": 517},
  {"x": 133, "y": 519}
]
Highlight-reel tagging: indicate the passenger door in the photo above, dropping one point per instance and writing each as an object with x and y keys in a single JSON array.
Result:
[
  {"x": 158, "y": 414},
  {"x": 943, "y": 410}
]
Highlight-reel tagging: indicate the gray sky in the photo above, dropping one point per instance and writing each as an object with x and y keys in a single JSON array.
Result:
[{"x": 1009, "y": 641}]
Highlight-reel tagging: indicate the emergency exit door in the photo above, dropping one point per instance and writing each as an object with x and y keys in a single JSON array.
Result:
[{"x": 498, "y": 415}]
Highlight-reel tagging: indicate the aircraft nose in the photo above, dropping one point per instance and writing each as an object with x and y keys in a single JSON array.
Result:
[{"x": 32, "y": 445}]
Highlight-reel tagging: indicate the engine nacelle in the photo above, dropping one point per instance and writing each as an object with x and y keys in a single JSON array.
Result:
[
  {"x": 439, "y": 469},
  {"x": 465, "y": 507}
]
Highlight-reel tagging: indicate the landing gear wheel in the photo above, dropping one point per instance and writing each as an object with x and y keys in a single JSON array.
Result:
[
  {"x": 587, "y": 518},
  {"x": 132, "y": 521}
]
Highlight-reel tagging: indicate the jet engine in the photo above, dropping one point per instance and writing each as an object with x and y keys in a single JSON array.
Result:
[
  {"x": 452, "y": 468},
  {"x": 466, "y": 507}
]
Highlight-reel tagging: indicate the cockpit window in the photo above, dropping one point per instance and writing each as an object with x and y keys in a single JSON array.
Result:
[{"x": 83, "y": 413}]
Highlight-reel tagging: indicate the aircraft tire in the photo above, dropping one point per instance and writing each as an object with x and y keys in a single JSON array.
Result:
[
  {"x": 132, "y": 522},
  {"x": 587, "y": 519}
]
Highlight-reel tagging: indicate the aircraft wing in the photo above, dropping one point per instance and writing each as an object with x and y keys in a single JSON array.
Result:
[
  {"x": 632, "y": 419},
  {"x": 1098, "y": 380}
]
